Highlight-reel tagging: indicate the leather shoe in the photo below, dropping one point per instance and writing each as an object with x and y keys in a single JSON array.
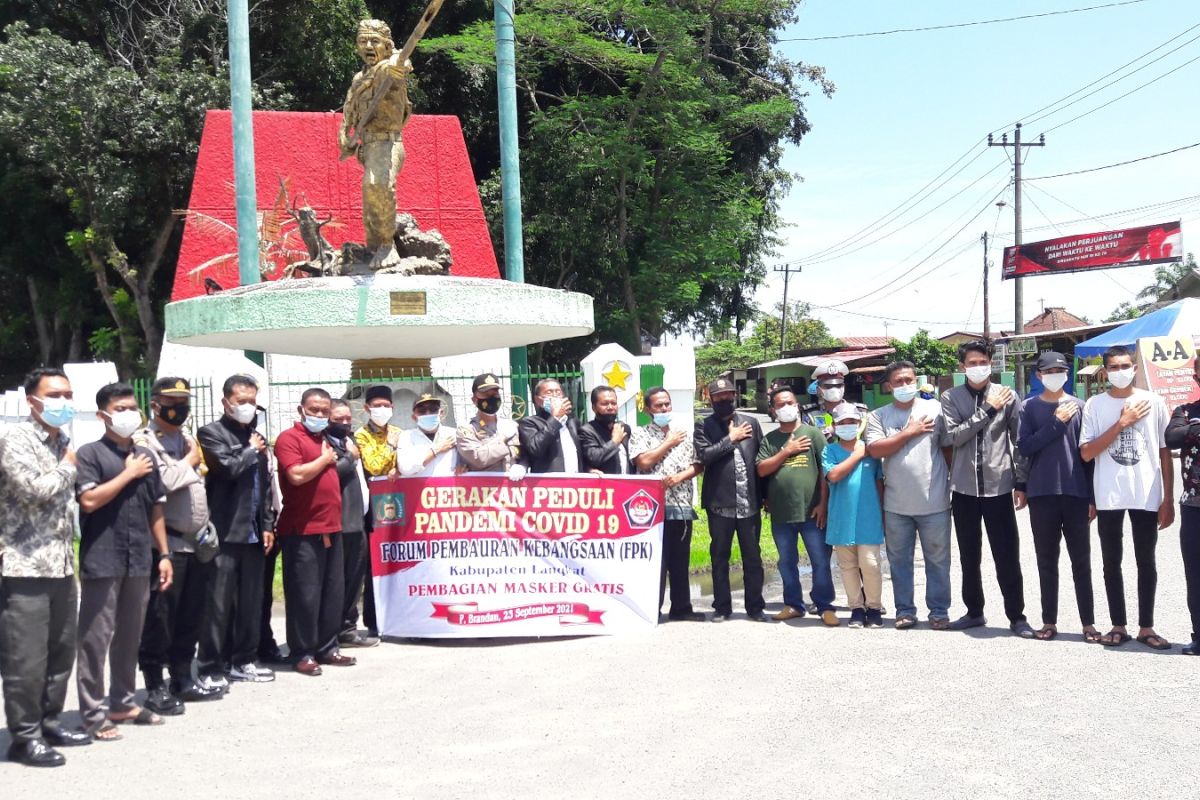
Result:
[
  {"x": 338, "y": 660},
  {"x": 966, "y": 622},
  {"x": 1192, "y": 649},
  {"x": 308, "y": 666},
  {"x": 759, "y": 616},
  {"x": 61, "y": 737},
  {"x": 273, "y": 656},
  {"x": 35, "y": 753},
  {"x": 162, "y": 702},
  {"x": 189, "y": 691},
  {"x": 687, "y": 616}
]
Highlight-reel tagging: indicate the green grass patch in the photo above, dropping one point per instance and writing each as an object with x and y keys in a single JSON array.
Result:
[{"x": 701, "y": 562}]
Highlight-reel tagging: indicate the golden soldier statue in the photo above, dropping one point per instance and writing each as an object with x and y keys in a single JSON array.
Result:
[{"x": 373, "y": 118}]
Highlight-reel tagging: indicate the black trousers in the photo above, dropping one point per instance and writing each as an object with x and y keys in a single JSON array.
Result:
[
  {"x": 676, "y": 560},
  {"x": 37, "y": 651},
  {"x": 357, "y": 569},
  {"x": 1053, "y": 519},
  {"x": 1189, "y": 545},
  {"x": 722, "y": 530},
  {"x": 368, "y": 597},
  {"x": 971, "y": 516},
  {"x": 266, "y": 635},
  {"x": 230, "y": 631},
  {"x": 314, "y": 581},
  {"x": 175, "y": 618},
  {"x": 1145, "y": 538}
]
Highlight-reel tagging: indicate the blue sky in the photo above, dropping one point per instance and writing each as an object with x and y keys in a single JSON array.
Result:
[{"x": 907, "y": 105}]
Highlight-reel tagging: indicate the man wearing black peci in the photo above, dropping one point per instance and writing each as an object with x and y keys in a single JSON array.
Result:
[{"x": 605, "y": 440}]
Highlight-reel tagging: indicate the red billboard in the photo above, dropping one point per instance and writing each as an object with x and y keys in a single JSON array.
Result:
[{"x": 1130, "y": 247}]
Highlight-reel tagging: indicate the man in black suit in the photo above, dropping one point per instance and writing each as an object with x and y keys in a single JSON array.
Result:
[
  {"x": 727, "y": 444},
  {"x": 605, "y": 440},
  {"x": 239, "y": 499},
  {"x": 550, "y": 437}
]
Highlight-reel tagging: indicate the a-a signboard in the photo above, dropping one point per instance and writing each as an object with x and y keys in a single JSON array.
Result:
[
  {"x": 1165, "y": 366},
  {"x": 480, "y": 555},
  {"x": 1129, "y": 247}
]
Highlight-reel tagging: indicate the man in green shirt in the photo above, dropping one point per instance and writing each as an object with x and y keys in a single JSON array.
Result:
[{"x": 789, "y": 464}]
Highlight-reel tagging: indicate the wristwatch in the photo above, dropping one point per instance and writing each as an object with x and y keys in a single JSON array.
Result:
[{"x": 161, "y": 556}]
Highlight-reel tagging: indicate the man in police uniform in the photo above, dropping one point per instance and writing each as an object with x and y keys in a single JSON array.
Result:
[
  {"x": 830, "y": 377},
  {"x": 488, "y": 443}
]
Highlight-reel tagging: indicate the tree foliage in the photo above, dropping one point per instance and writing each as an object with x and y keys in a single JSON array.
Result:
[
  {"x": 723, "y": 351},
  {"x": 932, "y": 357},
  {"x": 1166, "y": 277}
]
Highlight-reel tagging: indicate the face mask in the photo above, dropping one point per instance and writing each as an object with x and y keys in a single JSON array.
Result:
[
  {"x": 723, "y": 409},
  {"x": 787, "y": 414},
  {"x": 846, "y": 432},
  {"x": 429, "y": 422},
  {"x": 1120, "y": 378},
  {"x": 488, "y": 405},
  {"x": 315, "y": 424},
  {"x": 904, "y": 393},
  {"x": 124, "y": 423},
  {"x": 548, "y": 406},
  {"x": 1054, "y": 381},
  {"x": 833, "y": 394},
  {"x": 174, "y": 415},
  {"x": 244, "y": 413},
  {"x": 339, "y": 429},
  {"x": 662, "y": 420},
  {"x": 57, "y": 412},
  {"x": 380, "y": 415},
  {"x": 979, "y": 374},
  {"x": 606, "y": 419}
]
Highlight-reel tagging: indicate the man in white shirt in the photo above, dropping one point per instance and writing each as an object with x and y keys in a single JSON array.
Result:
[
  {"x": 1124, "y": 434},
  {"x": 427, "y": 451}
]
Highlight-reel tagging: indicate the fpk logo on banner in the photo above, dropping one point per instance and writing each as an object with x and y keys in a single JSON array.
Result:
[{"x": 640, "y": 510}]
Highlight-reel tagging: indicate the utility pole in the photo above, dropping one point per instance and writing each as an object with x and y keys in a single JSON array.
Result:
[
  {"x": 987, "y": 327},
  {"x": 787, "y": 272},
  {"x": 1018, "y": 289}
]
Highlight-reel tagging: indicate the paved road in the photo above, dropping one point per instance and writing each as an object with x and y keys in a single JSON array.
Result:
[{"x": 695, "y": 711}]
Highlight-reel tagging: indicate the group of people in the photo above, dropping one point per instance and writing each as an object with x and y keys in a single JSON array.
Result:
[
  {"x": 180, "y": 534},
  {"x": 846, "y": 482}
]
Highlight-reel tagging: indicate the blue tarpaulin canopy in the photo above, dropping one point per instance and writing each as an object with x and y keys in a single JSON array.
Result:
[{"x": 1181, "y": 318}]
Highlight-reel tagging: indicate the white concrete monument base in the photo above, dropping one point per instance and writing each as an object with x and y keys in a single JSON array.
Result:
[{"x": 379, "y": 316}]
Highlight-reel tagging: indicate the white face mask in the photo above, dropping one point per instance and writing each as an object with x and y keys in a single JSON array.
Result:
[
  {"x": 980, "y": 373},
  {"x": 1054, "y": 381},
  {"x": 904, "y": 393},
  {"x": 124, "y": 423},
  {"x": 381, "y": 415},
  {"x": 846, "y": 432},
  {"x": 1120, "y": 378},
  {"x": 788, "y": 413},
  {"x": 833, "y": 394},
  {"x": 244, "y": 413}
]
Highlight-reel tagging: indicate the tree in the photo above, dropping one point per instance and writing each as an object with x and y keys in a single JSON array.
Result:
[
  {"x": 932, "y": 357},
  {"x": 1166, "y": 279},
  {"x": 803, "y": 330}
]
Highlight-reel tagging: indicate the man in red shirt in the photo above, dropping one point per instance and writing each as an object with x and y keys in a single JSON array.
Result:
[{"x": 309, "y": 529}]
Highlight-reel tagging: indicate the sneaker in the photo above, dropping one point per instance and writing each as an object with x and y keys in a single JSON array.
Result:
[
  {"x": 357, "y": 639},
  {"x": 251, "y": 673},
  {"x": 218, "y": 682},
  {"x": 874, "y": 618},
  {"x": 162, "y": 702},
  {"x": 830, "y": 618},
  {"x": 857, "y": 618},
  {"x": 788, "y": 612},
  {"x": 719, "y": 617}
]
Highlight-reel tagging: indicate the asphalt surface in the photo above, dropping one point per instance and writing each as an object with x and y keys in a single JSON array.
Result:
[{"x": 697, "y": 710}]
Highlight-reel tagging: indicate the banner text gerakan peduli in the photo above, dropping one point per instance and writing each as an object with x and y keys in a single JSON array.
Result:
[{"x": 479, "y": 555}]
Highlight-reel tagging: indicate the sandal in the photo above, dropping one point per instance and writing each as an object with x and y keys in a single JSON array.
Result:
[
  {"x": 1046, "y": 634},
  {"x": 1091, "y": 637},
  {"x": 905, "y": 622},
  {"x": 1155, "y": 641},
  {"x": 107, "y": 732},
  {"x": 144, "y": 717},
  {"x": 939, "y": 624},
  {"x": 1114, "y": 638}
]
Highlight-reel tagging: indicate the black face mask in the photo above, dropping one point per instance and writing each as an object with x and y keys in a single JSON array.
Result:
[
  {"x": 723, "y": 408},
  {"x": 606, "y": 419},
  {"x": 339, "y": 430},
  {"x": 488, "y": 405},
  {"x": 174, "y": 415}
]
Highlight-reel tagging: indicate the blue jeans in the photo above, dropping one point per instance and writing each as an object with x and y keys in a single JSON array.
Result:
[
  {"x": 901, "y": 531},
  {"x": 786, "y": 535}
]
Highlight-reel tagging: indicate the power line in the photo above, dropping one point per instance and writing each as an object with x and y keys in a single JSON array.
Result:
[
  {"x": 896, "y": 319},
  {"x": 959, "y": 24},
  {"x": 1118, "y": 164},
  {"x": 1123, "y": 96}
]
